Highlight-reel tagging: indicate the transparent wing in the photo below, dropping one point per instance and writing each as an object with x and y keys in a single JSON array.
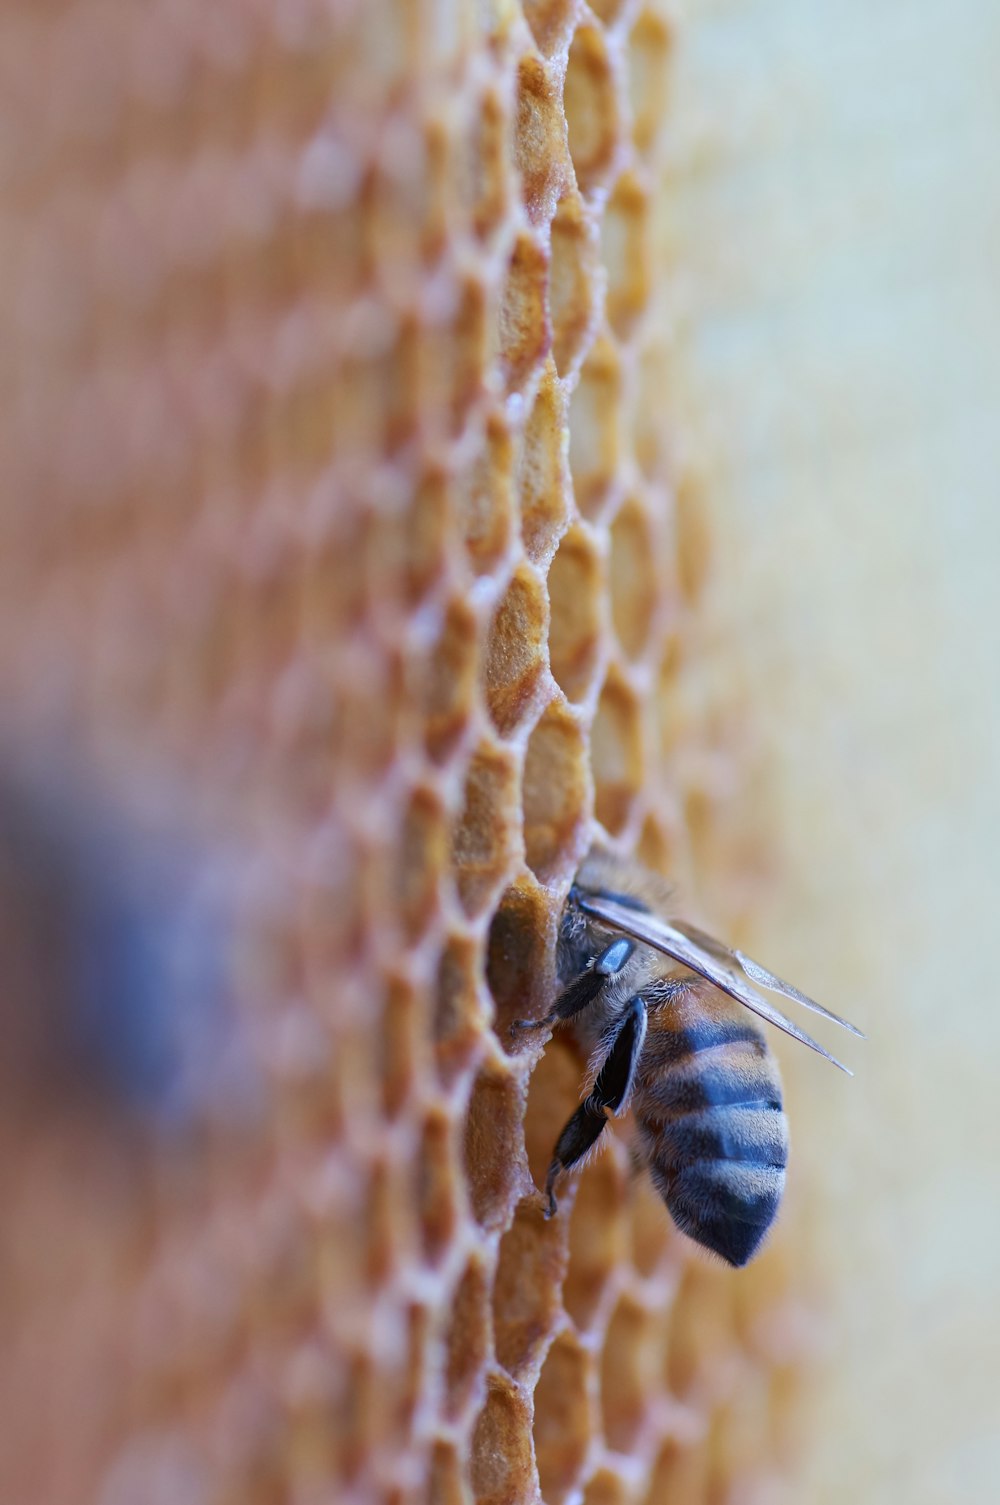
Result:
[{"x": 727, "y": 970}]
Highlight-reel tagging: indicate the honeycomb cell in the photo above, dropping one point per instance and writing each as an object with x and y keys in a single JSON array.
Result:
[
  {"x": 420, "y": 862},
  {"x": 437, "y": 1189},
  {"x": 550, "y": 22},
  {"x": 483, "y": 172},
  {"x": 514, "y": 660},
  {"x": 408, "y": 546},
  {"x": 543, "y": 477},
  {"x": 631, "y": 1365},
  {"x": 595, "y": 439},
  {"x": 576, "y": 588},
  {"x": 680, "y": 1473},
  {"x": 553, "y": 1094},
  {"x": 468, "y": 1341},
  {"x": 501, "y": 1452},
  {"x": 607, "y": 1488},
  {"x": 484, "y": 497},
  {"x": 458, "y": 1008},
  {"x": 700, "y": 1347},
  {"x": 445, "y": 1484},
  {"x": 401, "y": 1043},
  {"x": 650, "y": 46},
  {"x": 449, "y": 363},
  {"x": 636, "y": 584},
  {"x": 616, "y": 754},
  {"x": 598, "y": 1235},
  {"x": 652, "y": 1246},
  {"x": 446, "y": 682},
  {"x": 574, "y": 282},
  {"x": 555, "y": 796},
  {"x": 526, "y": 1305},
  {"x": 563, "y": 1423},
  {"x": 625, "y": 251},
  {"x": 484, "y": 837},
  {"x": 608, "y": 11},
  {"x": 540, "y": 150},
  {"x": 524, "y": 331},
  {"x": 593, "y": 116},
  {"x": 520, "y": 958},
  {"x": 406, "y": 208},
  {"x": 494, "y": 1168},
  {"x": 692, "y": 536}
]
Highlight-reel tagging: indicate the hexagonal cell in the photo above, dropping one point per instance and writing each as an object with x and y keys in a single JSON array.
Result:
[
  {"x": 550, "y": 22},
  {"x": 635, "y": 580},
  {"x": 446, "y": 682},
  {"x": 555, "y": 796},
  {"x": 563, "y": 1423},
  {"x": 523, "y": 326},
  {"x": 607, "y": 1488},
  {"x": 543, "y": 476},
  {"x": 652, "y": 1245},
  {"x": 468, "y": 1340},
  {"x": 700, "y": 1348},
  {"x": 387, "y": 1219},
  {"x": 408, "y": 542},
  {"x": 437, "y": 1186},
  {"x": 484, "y": 497},
  {"x": 482, "y": 174},
  {"x": 681, "y": 1473},
  {"x": 450, "y": 362},
  {"x": 625, "y": 250},
  {"x": 553, "y": 1094},
  {"x": 459, "y": 1016},
  {"x": 608, "y": 11},
  {"x": 595, "y": 440},
  {"x": 401, "y": 1038},
  {"x": 514, "y": 659},
  {"x": 631, "y": 1364},
  {"x": 502, "y": 1473},
  {"x": 405, "y": 206},
  {"x": 540, "y": 150},
  {"x": 420, "y": 862},
  {"x": 485, "y": 834},
  {"x": 494, "y": 1168},
  {"x": 655, "y": 383},
  {"x": 692, "y": 536},
  {"x": 598, "y": 1235},
  {"x": 593, "y": 114},
  {"x": 649, "y": 80},
  {"x": 616, "y": 754},
  {"x": 520, "y": 959},
  {"x": 445, "y": 1484},
  {"x": 530, "y": 1271},
  {"x": 574, "y": 282},
  {"x": 576, "y": 584}
]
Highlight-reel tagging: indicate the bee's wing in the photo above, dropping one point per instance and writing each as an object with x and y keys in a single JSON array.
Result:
[{"x": 723, "y": 968}]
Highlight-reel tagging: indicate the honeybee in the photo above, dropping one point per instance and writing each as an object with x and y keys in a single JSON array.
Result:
[{"x": 710, "y": 1123}]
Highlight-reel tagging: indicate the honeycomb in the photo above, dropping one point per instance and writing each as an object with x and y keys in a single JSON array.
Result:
[{"x": 348, "y": 528}]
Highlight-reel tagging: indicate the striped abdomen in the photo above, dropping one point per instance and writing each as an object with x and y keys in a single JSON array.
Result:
[{"x": 709, "y": 1111}]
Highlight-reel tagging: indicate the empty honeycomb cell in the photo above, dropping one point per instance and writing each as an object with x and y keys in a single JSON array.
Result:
[
  {"x": 386, "y": 1243},
  {"x": 484, "y": 497},
  {"x": 700, "y": 1349},
  {"x": 608, "y": 11},
  {"x": 445, "y": 1484},
  {"x": 595, "y": 439},
  {"x": 530, "y": 1270},
  {"x": 593, "y": 115},
  {"x": 576, "y": 589},
  {"x": 420, "y": 862},
  {"x": 494, "y": 1168},
  {"x": 502, "y": 1472},
  {"x": 574, "y": 282},
  {"x": 446, "y": 681},
  {"x": 458, "y": 1012},
  {"x": 406, "y": 204},
  {"x": 649, "y": 75},
  {"x": 524, "y": 331},
  {"x": 483, "y": 179},
  {"x": 563, "y": 1423},
  {"x": 367, "y": 708},
  {"x": 520, "y": 958},
  {"x": 631, "y": 1366},
  {"x": 636, "y": 583},
  {"x": 540, "y": 150},
  {"x": 550, "y": 22},
  {"x": 680, "y": 1473},
  {"x": 514, "y": 660},
  {"x": 598, "y": 1235},
  {"x": 616, "y": 754},
  {"x": 543, "y": 478},
  {"x": 438, "y": 1182},
  {"x": 483, "y": 840},
  {"x": 625, "y": 251},
  {"x": 451, "y": 357},
  {"x": 408, "y": 544},
  {"x": 653, "y": 1249},
  {"x": 651, "y": 436},
  {"x": 468, "y": 1342},
  {"x": 555, "y": 796},
  {"x": 692, "y": 537},
  {"x": 606, "y": 1487},
  {"x": 401, "y": 1036}
]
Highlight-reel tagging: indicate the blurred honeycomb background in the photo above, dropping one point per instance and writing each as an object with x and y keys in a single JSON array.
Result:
[{"x": 356, "y": 571}]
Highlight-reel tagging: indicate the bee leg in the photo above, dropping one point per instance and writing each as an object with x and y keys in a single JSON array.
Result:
[
  {"x": 611, "y": 1091},
  {"x": 583, "y": 990}
]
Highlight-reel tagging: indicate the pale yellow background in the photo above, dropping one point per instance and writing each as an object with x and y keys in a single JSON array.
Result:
[{"x": 836, "y": 233}]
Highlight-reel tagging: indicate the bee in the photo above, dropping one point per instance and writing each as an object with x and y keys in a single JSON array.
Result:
[{"x": 696, "y": 1069}]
